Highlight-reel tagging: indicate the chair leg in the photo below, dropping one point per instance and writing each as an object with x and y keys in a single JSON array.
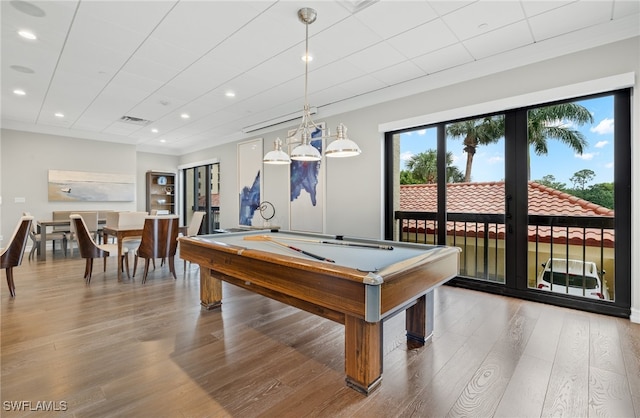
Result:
[
  {"x": 126, "y": 263},
  {"x": 12, "y": 287},
  {"x": 135, "y": 264},
  {"x": 88, "y": 270},
  {"x": 105, "y": 263},
  {"x": 146, "y": 270},
  {"x": 172, "y": 267},
  {"x": 32, "y": 252}
]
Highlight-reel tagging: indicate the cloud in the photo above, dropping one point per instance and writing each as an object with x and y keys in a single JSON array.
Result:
[
  {"x": 586, "y": 156},
  {"x": 601, "y": 144},
  {"x": 406, "y": 156},
  {"x": 604, "y": 127},
  {"x": 609, "y": 165},
  {"x": 495, "y": 159}
]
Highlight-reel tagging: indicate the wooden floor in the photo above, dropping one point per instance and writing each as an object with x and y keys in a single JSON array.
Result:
[{"x": 130, "y": 350}]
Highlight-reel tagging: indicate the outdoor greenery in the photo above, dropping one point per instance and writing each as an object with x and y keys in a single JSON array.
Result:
[
  {"x": 543, "y": 123},
  {"x": 600, "y": 193},
  {"x": 422, "y": 169}
]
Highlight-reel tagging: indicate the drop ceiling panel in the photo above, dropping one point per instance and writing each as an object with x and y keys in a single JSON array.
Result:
[
  {"x": 500, "y": 40},
  {"x": 273, "y": 70},
  {"x": 445, "y": 7},
  {"x": 345, "y": 38},
  {"x": 381, "y": 17},
  {"x": 444, "y": 58},
  {"x": 398, "y": 73},
  {"x": 425, "y": 38},
  {"x": 198, "y": 26},
  {"x": 569, "y": 18},
  {"x": 477, "y": 18},
  {"x": 166, "y": 54},
  {"x": 369, "y": 59}
]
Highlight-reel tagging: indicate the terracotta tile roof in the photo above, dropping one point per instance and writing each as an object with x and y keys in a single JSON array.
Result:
[{"x": 488, "y": 197}]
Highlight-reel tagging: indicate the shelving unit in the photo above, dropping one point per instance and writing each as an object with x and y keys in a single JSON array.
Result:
[{"x": 161, "y": 192}]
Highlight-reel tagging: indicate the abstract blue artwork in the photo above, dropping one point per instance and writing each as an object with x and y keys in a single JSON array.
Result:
[
  {"x": 307, "y": 190},
  {"x": 249, "y": 182},
  {"x": 249, "y": 201}
]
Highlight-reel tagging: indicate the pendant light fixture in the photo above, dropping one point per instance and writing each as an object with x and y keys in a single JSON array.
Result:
[{"x": 304, "y": 151}]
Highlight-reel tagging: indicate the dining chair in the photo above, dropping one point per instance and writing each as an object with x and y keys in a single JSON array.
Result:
[
  {"x": 159, "y": 240},
  {"x": 194, "y": 227},
  {"x": 11, "y": 256},
  {"x": 36, "y": 239},
  {"x": 91, "y": 220},
  {"x": 90, "y": 250}
]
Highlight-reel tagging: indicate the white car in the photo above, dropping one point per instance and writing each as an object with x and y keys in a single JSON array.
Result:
[{"x": 573, "y": 277}]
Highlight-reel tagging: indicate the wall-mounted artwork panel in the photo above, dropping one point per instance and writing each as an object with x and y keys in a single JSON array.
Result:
[
  {"x": 307, "y": 188},
  {"x": 82, "y": 186},
  {"x": 250, "y": 182}
]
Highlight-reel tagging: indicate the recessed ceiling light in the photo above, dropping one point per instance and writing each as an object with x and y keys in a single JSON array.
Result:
[
  {"x": 230, "y": 94},
  {"x": 59, "y": 115},
  {"x": 27, "y": 35},
  {"x": 154, "y": 130},
  {"x": 22, "y": 69},
  {"x": 28, "y": 8},
  {"x": 307, "y": 58},
  {"x": 19, "y": 92},
  {"x": 163, "y": 140},
  {"x": 185, "y": 116}
]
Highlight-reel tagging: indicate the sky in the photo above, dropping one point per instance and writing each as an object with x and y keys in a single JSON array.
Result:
[{"x": 561, "y": 161}]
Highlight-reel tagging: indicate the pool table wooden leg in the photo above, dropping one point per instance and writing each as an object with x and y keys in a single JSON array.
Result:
[
  {"x": 419, "y": 320},
  {"x": 363, "y": 354},
  {"x": 210, "y": 289}
]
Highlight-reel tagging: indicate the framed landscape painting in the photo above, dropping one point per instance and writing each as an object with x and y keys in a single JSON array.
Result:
[{"x": 81, "y": 186}]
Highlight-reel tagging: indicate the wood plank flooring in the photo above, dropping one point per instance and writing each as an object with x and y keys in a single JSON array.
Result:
[{"x": 130, "y": 350}]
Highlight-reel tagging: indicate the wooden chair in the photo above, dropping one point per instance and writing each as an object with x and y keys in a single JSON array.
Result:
[
  {"x": 91, "y": 220},
  {"x": 11, "y": 256},
  {"x": 194, "y": 227},
  {"x": 159, "y": 240},
  {"x": 90, "y": 250},
  {"x": 36, "y": 239}
]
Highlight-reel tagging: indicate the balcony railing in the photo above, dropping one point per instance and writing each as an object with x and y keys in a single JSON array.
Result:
[{"x": 481, "y": 238}]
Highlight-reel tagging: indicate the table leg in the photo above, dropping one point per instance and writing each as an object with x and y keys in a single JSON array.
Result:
[
  {"x": 119, "y": 258},
  {"x": 210, "y": 289},
  {"x": 363, "y": 354},
  {"x": 42, "y": 250},
  {"x": 419, "y": 320}
]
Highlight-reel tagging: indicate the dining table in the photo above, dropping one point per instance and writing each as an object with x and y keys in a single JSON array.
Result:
[
  {"x": 42, "y": 226},
  {"x": 120, "y": 233}
]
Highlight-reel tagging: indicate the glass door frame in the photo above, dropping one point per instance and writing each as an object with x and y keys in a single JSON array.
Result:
[
  {"x": 516, "y": 207},
  {"x": 207, "y": 226}
]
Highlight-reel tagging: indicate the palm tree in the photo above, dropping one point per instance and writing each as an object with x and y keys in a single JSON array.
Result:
[
  {"x": 543, "y": 123},
  {"x": 476, "y": 132},
  {"x": 423, "y": 167},
  {"x": 548, "y": 123}
]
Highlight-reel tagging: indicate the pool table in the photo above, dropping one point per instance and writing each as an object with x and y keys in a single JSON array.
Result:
[{"x": 355, "y": 282}]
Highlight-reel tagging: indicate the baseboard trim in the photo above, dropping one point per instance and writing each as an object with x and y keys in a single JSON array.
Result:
[{"x": 635, "y": 315}]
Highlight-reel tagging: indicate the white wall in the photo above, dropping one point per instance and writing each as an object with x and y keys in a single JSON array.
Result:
[{"x": 26, "y": 159}]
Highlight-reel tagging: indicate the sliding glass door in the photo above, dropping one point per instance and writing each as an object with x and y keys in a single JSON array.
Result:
[
  {"x": 537, "y": 198},
  {"x": 201, "y": 193}
]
